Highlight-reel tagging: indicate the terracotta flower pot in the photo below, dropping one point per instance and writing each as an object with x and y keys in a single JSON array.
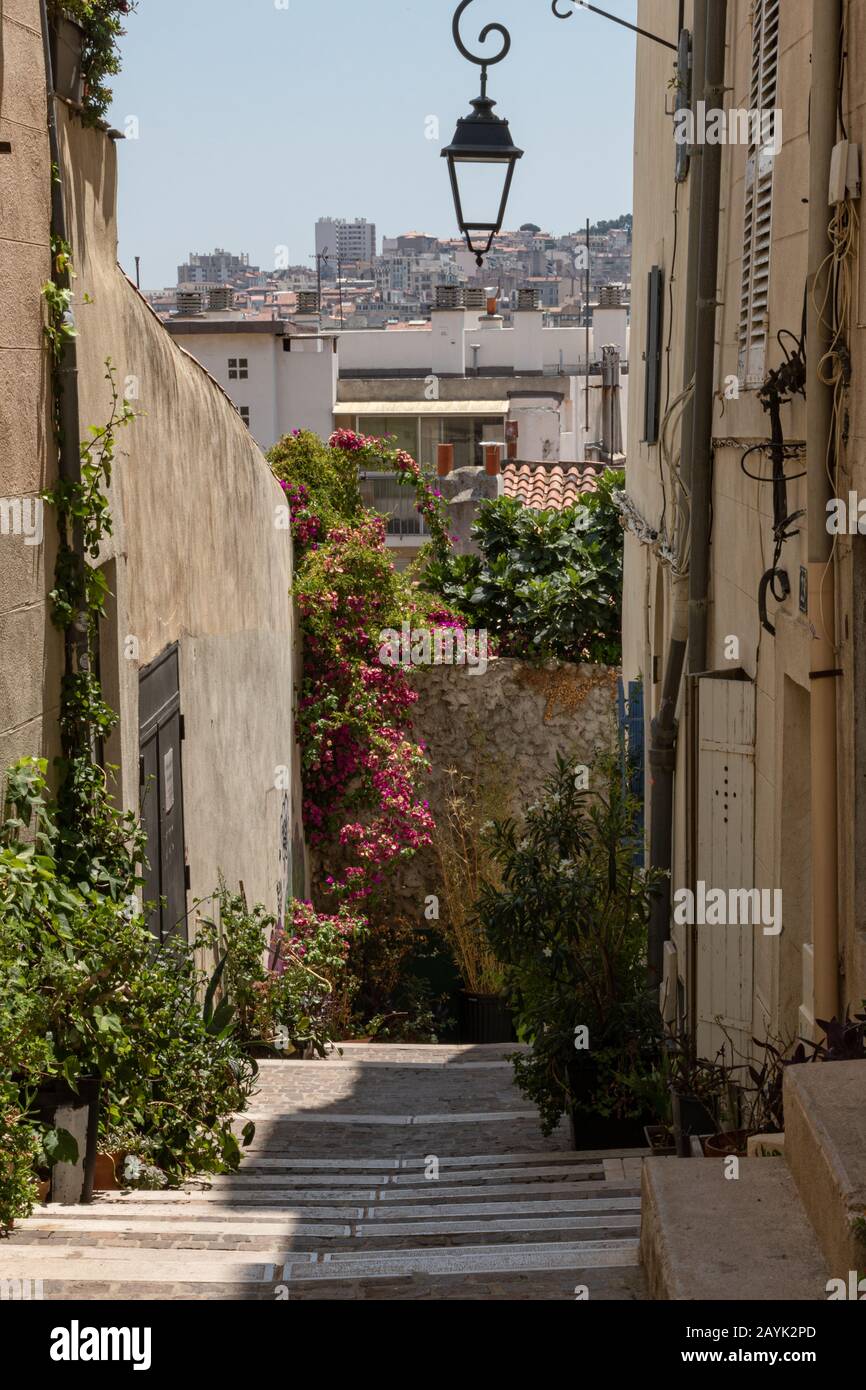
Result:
[
  {"x": 105, "y": 1173},
  {"x": 724, "y": 1145}
]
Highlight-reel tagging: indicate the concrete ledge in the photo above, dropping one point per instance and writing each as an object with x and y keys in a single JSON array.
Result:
[
  {"x": 708, "y": 1237},
  {"x": 825, "y": 1132}
]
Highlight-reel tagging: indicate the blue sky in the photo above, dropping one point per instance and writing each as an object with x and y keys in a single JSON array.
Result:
[{"x": 255, "y": 117}]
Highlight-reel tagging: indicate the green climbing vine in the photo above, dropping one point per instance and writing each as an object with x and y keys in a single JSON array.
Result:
[{"x": 95, "y": 841}]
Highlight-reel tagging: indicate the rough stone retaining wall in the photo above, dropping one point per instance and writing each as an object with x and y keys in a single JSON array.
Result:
[{"x": 503, "y": 729}]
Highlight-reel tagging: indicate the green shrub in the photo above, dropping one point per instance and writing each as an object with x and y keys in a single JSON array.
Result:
[
  {"x": 546, "y": 585},
  {"x": 569, "y": 923},
  {"x": 305, "y": 999},
  {"x": 102, "y": 23},
  {"x": 84, "y": 991}
]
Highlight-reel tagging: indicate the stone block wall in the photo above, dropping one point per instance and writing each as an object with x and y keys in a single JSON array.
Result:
[{"x": 500, "y": 732}]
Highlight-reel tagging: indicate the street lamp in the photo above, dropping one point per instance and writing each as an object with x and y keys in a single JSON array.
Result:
[{"x": 482, "y": 156}]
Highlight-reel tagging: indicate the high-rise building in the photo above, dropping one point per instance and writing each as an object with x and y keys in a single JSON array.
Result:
[
  {"x": 346, "y": 241},
  {"x": 216, "y": 267}
]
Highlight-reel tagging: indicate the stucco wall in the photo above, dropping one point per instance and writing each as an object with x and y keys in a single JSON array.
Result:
[
  {"x": 502, "y": 729},
  {"x": 30, "y": 649},
  {"x": 199, "y": 558},
  {"x": 742, "y": 545}
]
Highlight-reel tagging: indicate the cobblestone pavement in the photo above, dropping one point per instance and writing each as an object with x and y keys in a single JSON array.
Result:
[{"x": 387, "y": 1173}]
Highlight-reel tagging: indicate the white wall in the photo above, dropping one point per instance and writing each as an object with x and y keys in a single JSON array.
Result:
[
  {"x": 213, "y": 351},
  {"x": 306, "y": 381}
]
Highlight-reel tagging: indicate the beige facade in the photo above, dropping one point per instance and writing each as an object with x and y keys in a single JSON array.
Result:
[
  {"x": 200, "y": 561},
  {"x": 743, "y": 799}
]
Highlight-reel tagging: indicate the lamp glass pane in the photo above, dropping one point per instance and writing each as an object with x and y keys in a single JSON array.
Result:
[{"x": 481, "y": 188}]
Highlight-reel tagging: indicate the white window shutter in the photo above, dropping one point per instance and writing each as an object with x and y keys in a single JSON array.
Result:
[{"x": 757, "y": 225}]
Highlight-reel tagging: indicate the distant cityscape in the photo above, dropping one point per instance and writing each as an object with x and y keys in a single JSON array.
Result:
[{"x": 354, "y": 282}]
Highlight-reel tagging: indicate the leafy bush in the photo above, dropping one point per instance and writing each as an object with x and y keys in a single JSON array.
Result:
[
  {"x": 102, "y": 23},
  {"x": 362, "y": 770},
  {"x": 85, "y": 991},
  {"x": 305, "y": 997},
  {"x": 547, "y": 585},
  {"x": 569, "y": 923},
  {"x": 19, "y": 1154}
]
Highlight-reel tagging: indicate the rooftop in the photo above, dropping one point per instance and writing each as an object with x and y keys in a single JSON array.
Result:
[{"x": 550, "y": 487}]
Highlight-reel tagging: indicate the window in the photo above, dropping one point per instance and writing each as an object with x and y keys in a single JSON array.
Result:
[
  {"x": 403, "y": 429},
  {"x": 394, "y": 500},
  {"x": 653, "y": 354},
  {"x": 238, "y": 368},
  {"x": 244, "y": 412},
  {"x": 757, "y": 230}
]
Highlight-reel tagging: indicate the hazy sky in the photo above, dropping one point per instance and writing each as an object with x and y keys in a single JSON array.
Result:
[{"x": 255, "y": 117}]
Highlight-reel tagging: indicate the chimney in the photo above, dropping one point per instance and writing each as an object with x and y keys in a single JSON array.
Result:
[
  {"x": 492, "y": 464},
  {"x": 222, "y": 297},
  {"x": 448, "y": 336},
  {"x": 611, "y": 296},
  {"x": 189, "y": 302},
  {"x": 444, "y": 459},
  {"x": 527, "y": 299},
  {"x": 474, "y": 299},
  {"x": 307, "y": 315},
  {"x": 449, "y": 297},
  {"x": 529, "y": 343}
]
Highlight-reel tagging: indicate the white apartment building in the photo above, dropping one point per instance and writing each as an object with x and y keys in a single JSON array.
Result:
[
  {"x": 287, "y": 375},
  {"x": 464, "y": 379},
  {"x": 346, "y": 241}
]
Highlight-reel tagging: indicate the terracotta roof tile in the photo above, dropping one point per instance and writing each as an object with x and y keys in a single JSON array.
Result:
[{"x": 545, "y": 487}]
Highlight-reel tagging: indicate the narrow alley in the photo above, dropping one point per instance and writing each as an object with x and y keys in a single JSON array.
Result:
[{"x": 339, "y": 1198}]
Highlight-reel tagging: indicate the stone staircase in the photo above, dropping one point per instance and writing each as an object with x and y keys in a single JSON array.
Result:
[
  {"x": 387, "y": 1173},
  {"x": 784, "y": 1226}
]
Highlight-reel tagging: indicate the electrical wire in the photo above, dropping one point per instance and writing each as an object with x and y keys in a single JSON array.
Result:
[{"x": 834, "y": 368}]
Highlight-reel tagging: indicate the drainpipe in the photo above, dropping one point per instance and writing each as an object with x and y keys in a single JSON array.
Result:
[
  {"x": 826, "y": 50},
  {"x": 701, "y": 463},
  {"x": 76, "y": 650},
  {"x": 664, "y": 728}
]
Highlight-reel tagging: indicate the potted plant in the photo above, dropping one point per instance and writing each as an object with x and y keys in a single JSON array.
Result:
[{"x": 568, "y": 921}]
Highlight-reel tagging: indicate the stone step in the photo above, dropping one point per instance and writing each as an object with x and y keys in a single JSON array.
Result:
[
  {"x": 120, "y": 1267},
  {"x": 128, "y": 1217},
  {"x": 279, "y": 1117},
  {"x": 244, "y": 1180},
  {"x": 276, "y": 1196},
  {"x": 568, "y": 1156},
  {"x": 268, "y": 1240},
  {"x": 577, "y": 1256},
  {"x": 620, "y": 1284},
  {"x": 825, "y": 1149},
  {"x": 706, "y": 1237}
]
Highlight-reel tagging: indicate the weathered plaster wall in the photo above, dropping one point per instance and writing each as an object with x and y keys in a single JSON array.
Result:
[
  {"x": 506, "y": 726},
  {"x": 199, "y": 558},
  {"x": 30, "y": 649},
  {"x": 743, "y": 512}
]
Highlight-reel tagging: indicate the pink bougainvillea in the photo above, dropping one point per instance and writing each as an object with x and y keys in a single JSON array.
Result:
[{"x": 363, "y": 772}]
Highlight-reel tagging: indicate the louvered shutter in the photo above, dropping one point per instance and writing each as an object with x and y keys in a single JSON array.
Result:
[{"x": 757, "y": 234}]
